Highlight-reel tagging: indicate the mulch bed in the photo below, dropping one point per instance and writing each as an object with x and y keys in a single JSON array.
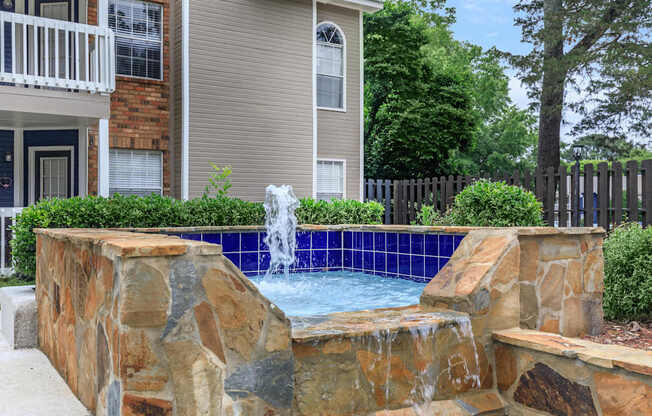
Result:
[{"x": 633, "y": 334}]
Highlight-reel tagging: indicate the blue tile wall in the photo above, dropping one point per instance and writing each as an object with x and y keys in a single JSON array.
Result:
[{"x": 413, "y": 256}]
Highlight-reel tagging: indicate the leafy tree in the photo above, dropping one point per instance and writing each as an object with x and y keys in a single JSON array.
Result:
[
  {"x": 603, "y": 147},
  {"x": 417, "y": 112},
  {"x": 599, "y": 48}
]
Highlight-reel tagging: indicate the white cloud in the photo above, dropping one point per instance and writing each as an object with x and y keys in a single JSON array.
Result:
[{"x": 518, "y": 93}]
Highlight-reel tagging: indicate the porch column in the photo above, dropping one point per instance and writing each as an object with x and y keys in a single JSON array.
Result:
[{"x": 103, "y": 158}]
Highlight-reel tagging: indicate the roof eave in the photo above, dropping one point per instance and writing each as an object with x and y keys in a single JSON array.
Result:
[{"x": 369, "y": 6}]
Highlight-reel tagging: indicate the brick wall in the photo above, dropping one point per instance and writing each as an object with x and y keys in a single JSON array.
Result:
[{"x": 139, "y": 110}]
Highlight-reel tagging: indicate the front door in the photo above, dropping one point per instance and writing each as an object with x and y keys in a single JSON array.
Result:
[{"x": 53, "y": 174}]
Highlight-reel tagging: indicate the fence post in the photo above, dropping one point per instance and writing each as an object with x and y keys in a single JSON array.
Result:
[
  {"x": 632, "y": 190},
  {"x": 647, "y": 191},
  {"x": 450, "y": 193},
  {"x": 617, "y": 193},
  {"x": 603, "y": 195},
  {"x": 396, "y": 201},
  {"x": 426, "y": 192},
  {"x": 370, "y": 189},
  {"x": 588, "y": 195},
  {"x": 563, "y": 196},
  {"x": 419, "y": 193},
  {"x": 442, "y": 194},
  {"x": 575, "y": 196},
  {"x": 388, "y": 202},
  {"x": 551, "y": 189}
]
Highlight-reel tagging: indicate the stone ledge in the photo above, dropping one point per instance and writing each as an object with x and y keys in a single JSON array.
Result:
[
  {"x": 362, "y": 323},
  {"x": 488, "y": 403},
  {"x": 132, "y": 244},
  {"x": 601, "y": 355},
  {"x": 18, "y": 311}
]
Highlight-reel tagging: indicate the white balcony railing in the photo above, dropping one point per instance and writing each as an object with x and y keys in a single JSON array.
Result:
[{"x": 54, "y": 53}]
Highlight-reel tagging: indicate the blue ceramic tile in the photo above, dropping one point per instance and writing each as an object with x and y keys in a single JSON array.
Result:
[
  {"x": 263, "y": 261},
  {"x": 230, "y": 242},
  {"x": 357, "y": 240},
  {"x": 431, "y": 266},
  {"x": 249, "y": 261},
  {"x": 234, "y": 257},
  {"x": 357, "y": 259},
  {"x": 262, "y": 246},
  {"x": 303, "y": 240},
  {"x": 457, "y": 241},
  {"x": 250, "y": 274},
  {"x": 446, "y": 245},
  {"x": 319, "y": 240},
  {"x": 404, "y": 243},
  {"x": 442, "y": 262},
  {"x": 368, "y": 260},
  {"x": 417, "y": 244},
  {"x": 335, "y": 239},
  {"x": 334, "y": 258},
  {"x": 368, "y": 243},
  {"x": 348, "y": 239},
  {"x": 392, "y": 242},
  {"x": 404, "y": 264},
  {"x": 431, "y": 245},
  {"x": 417, "y": 266},
  {"x": 194, "y": 237},
  {"x": 213, "y": 238},
  {"x": 392, "y": 263},
  {"x": 348, "y": 258},
  {"x": 318, "y": 258},
  {"x": 379, "y": 261},
  {"x": 249, "y": 242},
  {"x": 379, "y": 241},
  {"x": 302, "y": 259}
]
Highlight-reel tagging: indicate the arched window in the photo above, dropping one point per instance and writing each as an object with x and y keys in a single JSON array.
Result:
[{"x": 330, "y": 66}]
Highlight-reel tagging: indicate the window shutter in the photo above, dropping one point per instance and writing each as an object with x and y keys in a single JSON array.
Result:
[
  {"x": 135, "y": 172},
  {"x": 330, "y": 180}
]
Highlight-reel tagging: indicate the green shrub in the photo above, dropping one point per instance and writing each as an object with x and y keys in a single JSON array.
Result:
[
  {"x": 157, "y": 211},
  {"x": 489, "y": 204},
  {"x": 628, "y": 273},
  {"x": 429, "y": 215}
]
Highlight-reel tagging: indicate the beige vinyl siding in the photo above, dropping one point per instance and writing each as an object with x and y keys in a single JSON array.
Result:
[
  {"x": 251, "y": 94},
  {"x": 175, "y": 98},
  {"x": 338, "y": 134}
]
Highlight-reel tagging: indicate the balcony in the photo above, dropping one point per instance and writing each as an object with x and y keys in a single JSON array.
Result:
[{"x": 56, "y": 54}]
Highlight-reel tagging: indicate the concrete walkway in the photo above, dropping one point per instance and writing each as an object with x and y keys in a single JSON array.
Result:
[{"x": 30, "y": 386}]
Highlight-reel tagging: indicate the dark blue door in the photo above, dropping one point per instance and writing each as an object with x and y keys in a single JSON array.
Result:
[{"x": 6, "y": 169}]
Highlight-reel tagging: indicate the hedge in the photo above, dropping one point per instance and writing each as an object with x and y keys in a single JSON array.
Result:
[{"x": 158, "y": 211}]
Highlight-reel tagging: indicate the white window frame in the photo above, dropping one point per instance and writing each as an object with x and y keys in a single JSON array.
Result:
[
  {"x": 343, "y": 162},
  {"x": 160, "y": 41},
  {"x": 137, "y": 150},
  {"x": 344, "y": 66}
]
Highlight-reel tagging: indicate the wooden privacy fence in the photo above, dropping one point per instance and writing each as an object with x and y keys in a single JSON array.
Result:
[{"x": 606, "y": 196}]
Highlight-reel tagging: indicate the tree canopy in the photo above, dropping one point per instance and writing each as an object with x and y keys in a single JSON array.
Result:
[{"x": 601, "y": 50}]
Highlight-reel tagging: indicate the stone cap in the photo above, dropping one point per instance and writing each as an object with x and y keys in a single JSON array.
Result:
[
  {"x": 601, "y": 355},
  {"x": 369, "y": 322},
  {"x": 525, "y": 231},
  {"x": 132, "y": 244}
]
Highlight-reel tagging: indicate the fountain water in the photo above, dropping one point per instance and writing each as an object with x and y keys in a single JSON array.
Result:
[{"x": 281, "y": 225}]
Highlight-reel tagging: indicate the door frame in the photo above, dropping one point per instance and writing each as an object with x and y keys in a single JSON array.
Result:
[
  {"x": 32, "y": 168},
  {"x": 50, "y": 154}
]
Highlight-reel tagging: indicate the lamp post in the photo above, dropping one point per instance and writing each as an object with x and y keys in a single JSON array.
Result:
[{"x": 578, "y": 150}]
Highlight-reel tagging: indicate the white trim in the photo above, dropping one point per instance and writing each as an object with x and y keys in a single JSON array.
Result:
[
  {"x": 103, "y": 158},
  {"x": 185, "y": 99},
  {"x": 18, "y": 168},
  {"x": 343, "y": 161},
  {"x": 314, "y": 98},
  {"x": 344, "y": 73},
  {"x": 82, "y": 142},
  {"x": 32, "y": 168},
  {"x": 103, "y": 13},
  {"x": 362, "y": 5},
  {"x": 361, "y": 24}
]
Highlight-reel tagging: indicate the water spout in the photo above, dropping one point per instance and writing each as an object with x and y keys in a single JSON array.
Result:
[{"x": 281, "y": 225}]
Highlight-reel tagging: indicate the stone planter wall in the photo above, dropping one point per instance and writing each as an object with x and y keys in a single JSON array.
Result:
[{"x": 153, "y": 325}]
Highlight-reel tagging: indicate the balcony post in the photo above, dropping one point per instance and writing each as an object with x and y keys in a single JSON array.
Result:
[{"x": 103, "y": 158}]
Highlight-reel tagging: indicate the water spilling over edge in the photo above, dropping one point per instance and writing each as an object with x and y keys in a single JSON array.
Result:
[{"x": 281, "y": 224}]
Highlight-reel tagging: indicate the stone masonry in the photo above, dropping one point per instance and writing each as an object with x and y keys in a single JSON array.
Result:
[{"x": 154, "y": 325}]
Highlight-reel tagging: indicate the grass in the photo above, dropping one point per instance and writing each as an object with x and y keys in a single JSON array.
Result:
[{"x": 13, "y": 281}]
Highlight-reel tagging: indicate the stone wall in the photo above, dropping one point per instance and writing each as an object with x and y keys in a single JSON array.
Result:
[
  {"x": 154, "y": 325},
  {"x": 553, "y": 375}
]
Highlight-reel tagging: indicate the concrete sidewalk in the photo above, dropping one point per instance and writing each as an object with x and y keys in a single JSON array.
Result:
[{"x": 30, "y": 386}]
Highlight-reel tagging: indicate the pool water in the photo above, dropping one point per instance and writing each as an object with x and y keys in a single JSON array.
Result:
[{"x": 321, "y": 293}]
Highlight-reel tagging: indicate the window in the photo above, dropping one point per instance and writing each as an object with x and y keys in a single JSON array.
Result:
[
  {"x": 138, "y": 47},
  {"x": 330, "y": 179},
  {"x": 330, "y": 67},
  {"x": 135, "y": 172}
]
